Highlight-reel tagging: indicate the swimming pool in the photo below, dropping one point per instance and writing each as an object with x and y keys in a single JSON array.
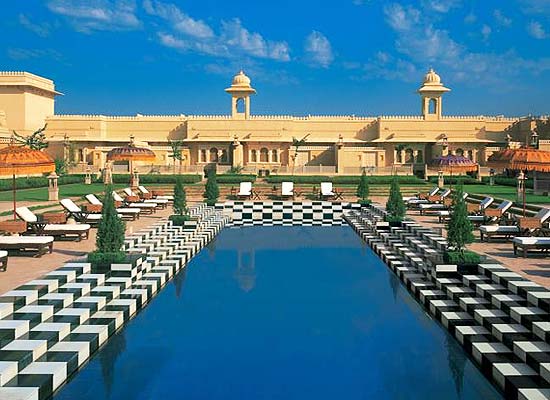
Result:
[{"x": 282, "y": 313}]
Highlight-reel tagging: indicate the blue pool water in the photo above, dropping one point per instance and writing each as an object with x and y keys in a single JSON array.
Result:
[{"x": 282, "y": 313}]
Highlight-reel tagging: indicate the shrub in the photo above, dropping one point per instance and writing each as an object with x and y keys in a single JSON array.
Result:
[
  {"x": 148, "y": 179},
  {"x": 235, "y": 178},
  {"x": 363, "y": 188},
  {"x": 461, "y": 258},
  {"x": 180, "y": 200},
  {"x": 39, "y": 181},
  {"x": 110, "y": 234},
  {"x": 455, "y": 180},
  {"x": 344, "y": 179},
  {"x": 60, "y": 166},
  {"x": 211, "y": 190},
  {"x": 460, "y": 228},
  {"x": 395, "y": 205},
  {"x": 507, "y": 181},
  {"x": 178, "y": 220}
]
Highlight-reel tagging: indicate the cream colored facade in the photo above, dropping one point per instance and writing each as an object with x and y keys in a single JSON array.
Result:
[{"x": 334, "y": 144}]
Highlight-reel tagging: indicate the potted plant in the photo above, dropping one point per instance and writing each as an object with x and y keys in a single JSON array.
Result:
[
  {"x": 211, "y": 190},
  {"x": 460, "y": 233},
  {"x": 363, "y": 190},
  {"x": 180, "y": 215},
  {"x": 395, "y": 206},
  {"x": 110, "y": 237}
]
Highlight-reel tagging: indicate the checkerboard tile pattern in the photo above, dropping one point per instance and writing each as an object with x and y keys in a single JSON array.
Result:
[
  {"x": 50, "y": 326},
  {"x": 501, "y": 319},
  {"x": 286, "y": 213}
]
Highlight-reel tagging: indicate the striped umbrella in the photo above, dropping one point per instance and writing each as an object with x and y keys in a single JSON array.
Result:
[{"x": 521, "y": 159}]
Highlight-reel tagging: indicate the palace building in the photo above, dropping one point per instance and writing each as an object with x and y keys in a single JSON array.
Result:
[{"x": 333, "y": 144}]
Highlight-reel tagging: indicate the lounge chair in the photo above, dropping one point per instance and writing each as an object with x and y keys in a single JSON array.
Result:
[
  {"x": 526, "y": 244},
  {"x": 245, "y": 190},
  {"x": 495, "y": 214},
  {"x": 326, "y": 191},
  {"x": 439, "y": 203},
  {"x": 474, "y": 209},
  {"x": 421, "y": 198},
  {"x": 78, "y": 214},
  {"x": 128, "y": 212},
  {"x": 78, "y": 231},
  {"x": 525, "y": 225},
  {"x": 3, "y": 260},
  {"x": 134, "y": 198},
  {"x": 146, "y": 194},
  {"x": 40, "y": 244},
  {"x": 287, "y": 190},
  {"x": 146, "y": 208}
]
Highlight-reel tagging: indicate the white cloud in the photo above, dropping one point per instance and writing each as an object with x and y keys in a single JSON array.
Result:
[
  {"x": 536, "y": 30},
  {"x": 19, "y": 54},
  {"x": 535, "y": 6},
  {"x": 441, "y": 6},
  {"x": 486, "y": 32},
  {"x": 41, "y": 29},
  {"x": 502, "y": 19},
  {"x": 401, "y": 18},
  {"x": 470, "y": 18},
  {"x": 94, "y": 15},
  {"x": 318, "y": 49},
  {"x": 180, "y": 21}
]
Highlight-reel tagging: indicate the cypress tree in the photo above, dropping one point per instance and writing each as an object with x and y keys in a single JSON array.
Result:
[
  {"x": 395, "y": 205},
  {"x": 211, "y": 190},
  {"x": 460, "y": 228},
  {"x": 180, "y": 198},
  {"x": 363, "y": 188},
  {"x": 110, "y": 230}
]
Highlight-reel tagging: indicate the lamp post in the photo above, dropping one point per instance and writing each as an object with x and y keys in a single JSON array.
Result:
[
  {"x": 53, "y": 189},
  {"x": 535, "y": 140},
  {"x": 491, "y": 177},
  {"x": 521, "y": 189}
]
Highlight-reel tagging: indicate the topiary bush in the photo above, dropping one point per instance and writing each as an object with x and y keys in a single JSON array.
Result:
[
  {"x": 395, "y": 206},
  {"x": 460, "y": 228},
  {"x": 363, "y": 188},
  {"x": 461, "y": 258},
  {"x": 180, "y": 205},
  {"x": 211, "y": 189}
]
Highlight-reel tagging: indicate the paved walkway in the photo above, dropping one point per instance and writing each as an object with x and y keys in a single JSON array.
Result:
[{"x": 23, "y": 268}]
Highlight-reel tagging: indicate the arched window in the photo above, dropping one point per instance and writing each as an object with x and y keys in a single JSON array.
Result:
[
  {"x": 419, "y": 157},
  {"x": 470, "y": 154},
  {"x": 264, "y": 155},
  {"x": 223, "y": 157},
  {"x": 432, "y": 106},
  {"x": 240, "y": 105},
  {"x": 409, "y": 156},
  {"x": 274, "y": 156},
  {"x": 459, "y": 152},
  {"x": 203, "y": 155},
  {"x": 213, "y": 154},
  {"x": 253, "y": 156}
]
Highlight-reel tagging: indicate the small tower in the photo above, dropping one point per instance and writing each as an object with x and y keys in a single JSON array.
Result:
[
  {"x": 431, "y": 92},
  {"x": 240, "y": 92}
]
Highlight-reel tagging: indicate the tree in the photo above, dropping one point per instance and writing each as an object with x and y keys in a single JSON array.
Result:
[
  {"x": 297, "y": 143},
  {"x": 211, "y": 190},
  {"x": 180, "y": 200},
  {"x": 176, "y": 153},
  {"x": 110, "y": 230},
  {"x": 60, "y": 166},
  {"x": 36, "y": 141},
  {"x": 460, "y": 228},
  {"x": 363, "y": 188},
  {"x": 395, "y": 205}
]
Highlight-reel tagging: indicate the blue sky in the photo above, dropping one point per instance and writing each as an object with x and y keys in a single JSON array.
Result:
[{"x": 363, "y": 57}]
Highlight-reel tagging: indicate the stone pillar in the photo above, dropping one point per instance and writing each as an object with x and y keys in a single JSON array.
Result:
[
  {"x": 440, "y": 179},
  {"x": 339, "y": 156},
  {"x": 415, "y": 156},
  {"x": 238, "y": 159},
  {"x": 403, "y": 154},
  {"x": 53, "y": 189},
  {"x": 88, "y": 178}
]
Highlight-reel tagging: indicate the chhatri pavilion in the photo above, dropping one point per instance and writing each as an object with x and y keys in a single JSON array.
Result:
[{"x": 333, "y": 144}]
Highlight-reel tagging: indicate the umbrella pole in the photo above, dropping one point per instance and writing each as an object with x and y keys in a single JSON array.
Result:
[
  {"x": 14, "y": 197},
  {"x": 524, "y": 189}
]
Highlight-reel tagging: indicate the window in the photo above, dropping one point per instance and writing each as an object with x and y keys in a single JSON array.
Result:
[
  {"x": 274, "y": 156},
  {"x": 253, "y": 156},
  {"x": 409, "y": 156},
  {"x": 213, "y": 154},
  {"x": 264, "y": 155},
  {"x": 203, "y": 155},
  {"x": 432, "y": 106},
  {"x": 459, "y": 152},
  {"x": 470, "y": 154},
  {"x": 419, "y": 157},
  {"x": 223, "y": 157},
  {"x": 240, "y": 105}
]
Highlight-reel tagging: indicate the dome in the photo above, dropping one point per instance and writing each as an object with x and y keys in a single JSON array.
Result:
[
  {"x": 241, "y": 79},
  {"x": 432, "y": 78}
]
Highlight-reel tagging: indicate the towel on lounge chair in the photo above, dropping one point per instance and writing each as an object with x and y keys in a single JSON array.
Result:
[{"x": 245, "y": 189}]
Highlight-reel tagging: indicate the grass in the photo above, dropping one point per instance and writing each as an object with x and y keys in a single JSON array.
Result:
[
  {"x": 41, "y": 194},
  {"x": 506, "y": 192}
]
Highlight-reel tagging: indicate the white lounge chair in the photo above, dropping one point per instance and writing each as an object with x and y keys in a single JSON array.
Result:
[
  {"x": 494, "y": 214},
  {"x": 475, "y": 218},
  {"x": 129, "y": 212},
  {"x": 525, "y": 244},
  {"x": 525, "y": 225},
  {"x": 287, "y": 190},
  {"x": 421, "y": 198},
  {"x": 429, "y": 207},
  {"x": 40, "y": 244},
  {"x": 3, "y": 260},
  {"x": 245, "y": 190},
  {"x": 146, "y": 208},
  {"x": 78, "y": 214},
  {"x": 146, "y": 192},
  {"x": 79, "y": 231},
  {"x": 158, "y": 203},
  {"x": 326, "y": 190}
]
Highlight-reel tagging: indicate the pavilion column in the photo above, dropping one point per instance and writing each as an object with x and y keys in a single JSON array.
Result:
[
  {"x": 474, "y": 155},
  {"x": 415, "y": 156},
  {"x": 403, "y": 154},
  {"x": 238, "y": 154}
]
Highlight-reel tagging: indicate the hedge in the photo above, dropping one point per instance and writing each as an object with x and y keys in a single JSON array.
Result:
[
  {"x": 235, "y": 178},
  {"x": 343, "y": 180},
  {"x": 506, "y": 181},
  {"x": 38, "y": 182},
  {"x": 148, "y": 179},
  {"x": 466, "y": 180}
]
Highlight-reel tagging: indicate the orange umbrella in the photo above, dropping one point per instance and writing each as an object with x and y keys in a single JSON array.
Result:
[
  {"x": 131, "y": 153},
  {"x": 523, "y": 159},
  {"x": 23, "y": 160}
]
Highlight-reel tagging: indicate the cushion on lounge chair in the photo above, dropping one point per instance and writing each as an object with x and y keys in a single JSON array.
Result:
[
  {"x": 486, "y": 202},
  {"x": 76, "y": 228},
  {"x": 499, "y": 229},
  {"x": 534, "y": 240},
  {"x": 287, "y": 188},
  {"x": 505, "y": 205},
  {"x": 70, "y": 206},
  {"x": 326, "y": 189},
  {"x": 245, "y": 189},
  {"x": 432, "y": 206},
  {"x": 476, "y": 218},
  {"x": 36, "y": 240},
  {"x": 3, "y": 253},
  {"x": 418, "y": 201},
  {"x": 92, "y": 199},
  {"x": 26, "y": 215},
  {"x": 543, "y": 214},
  {"x": 144, "y": 190}
]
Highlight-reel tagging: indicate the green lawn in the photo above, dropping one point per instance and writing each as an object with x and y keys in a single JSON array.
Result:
[
  {"x": 41, "y": 194},
  {"x": 506, "y": 192}
]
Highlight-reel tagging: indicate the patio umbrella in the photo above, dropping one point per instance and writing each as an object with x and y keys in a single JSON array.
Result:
[
  {"x": 131, "y": 153},
  {"x": 453, "y": 163},
  {"x": 23, "y": 160}
]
